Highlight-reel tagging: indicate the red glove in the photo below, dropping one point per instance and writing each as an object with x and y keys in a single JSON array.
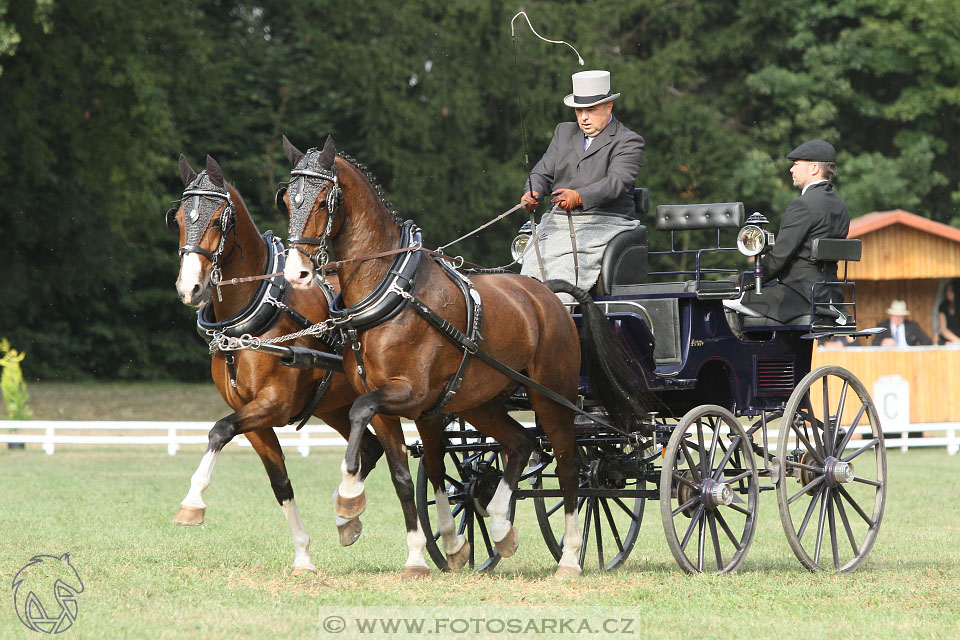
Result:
[
  {"x": 568, "y": 199},
  {"x": 530, "y": 200}
]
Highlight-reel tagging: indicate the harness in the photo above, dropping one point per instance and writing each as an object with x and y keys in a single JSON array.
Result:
[
  {"x": 260, "y": 313},
  {"x": 205, "y": 197}
]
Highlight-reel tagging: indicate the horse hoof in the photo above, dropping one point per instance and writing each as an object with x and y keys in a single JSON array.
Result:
[
  {"x": 189, "y": 516},
  {"x": 349, "y": 508},
  {"x": 349, "y": 532},
  {"x": 414, "y": 572},
  {"x": 508, "y": 546},
  {"x": 457, "y": 560},
  {"x": 566, "y": 573},
  {"x": 299, "y": 571}
]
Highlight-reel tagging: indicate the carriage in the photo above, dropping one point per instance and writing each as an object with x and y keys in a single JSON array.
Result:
[
  {"x": 735, "y": 409},
  {"x": 740, "y": 413}
]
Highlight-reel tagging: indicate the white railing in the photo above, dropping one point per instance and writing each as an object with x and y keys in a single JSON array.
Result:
[{"x": 173, "y": 435}]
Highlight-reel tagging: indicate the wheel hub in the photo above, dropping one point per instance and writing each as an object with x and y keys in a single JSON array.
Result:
[
  {"x": 838, "y": 471},
  {"x": 716, "y": 494}
]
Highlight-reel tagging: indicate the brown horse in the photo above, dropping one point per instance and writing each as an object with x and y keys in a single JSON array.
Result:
[
  {"x": 219, "y": 240},
  {"x": 401, "y": 363}
]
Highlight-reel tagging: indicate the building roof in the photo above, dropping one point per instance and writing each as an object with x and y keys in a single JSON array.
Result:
[{"x": 880, "y": 219}]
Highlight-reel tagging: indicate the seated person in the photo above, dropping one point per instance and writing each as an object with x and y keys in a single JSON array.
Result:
[
  {"x": 900, "y": 332},
  {"x": 788, "y": 269},
  {"x": 590, "y": 168},
  {"x": 948, "y": 316}
]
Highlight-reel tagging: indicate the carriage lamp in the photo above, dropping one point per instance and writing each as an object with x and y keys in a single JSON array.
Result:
[
  {"x": 753, "y": 240},
  {"x": 520, "y": 243}
]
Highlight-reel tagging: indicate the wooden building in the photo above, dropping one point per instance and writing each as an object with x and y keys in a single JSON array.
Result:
[{"x": 905, "y": 257}]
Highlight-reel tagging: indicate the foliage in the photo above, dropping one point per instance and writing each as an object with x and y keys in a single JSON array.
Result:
[
  {"x": 12, "y": 385},
  {"x": 449, "y": 112}
]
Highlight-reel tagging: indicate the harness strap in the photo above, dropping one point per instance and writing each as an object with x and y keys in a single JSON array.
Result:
[
  {"x": 536, "y": 246},
  {"x": 318, "y": 393},
  {"x": 354, "y": 341},
  {"x": 474, "y": 349},
  {"x": 474, "y": 321},
  {"x": 573, "y": 245}
]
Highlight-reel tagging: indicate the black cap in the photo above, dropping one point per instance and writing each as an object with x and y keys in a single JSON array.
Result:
[{"x": 814, "y": 151}]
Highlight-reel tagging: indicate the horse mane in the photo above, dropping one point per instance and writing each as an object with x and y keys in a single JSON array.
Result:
[{"x": 375, "y": 184}]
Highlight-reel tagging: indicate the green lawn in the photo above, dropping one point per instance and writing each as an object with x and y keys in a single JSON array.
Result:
[{"x": 111, "y": 508}]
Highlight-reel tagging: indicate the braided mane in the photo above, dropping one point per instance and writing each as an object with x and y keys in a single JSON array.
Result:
[{"x": 376, "y": 186}]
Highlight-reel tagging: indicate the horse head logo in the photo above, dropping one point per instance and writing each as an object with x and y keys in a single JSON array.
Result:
[{"x": 45, "y": 593}]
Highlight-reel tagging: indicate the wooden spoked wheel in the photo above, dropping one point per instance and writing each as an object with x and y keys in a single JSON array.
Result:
[
  {"x": 708, "y": 491},
  {"x": 832, "y": 483},
  {"x": 609, "y": 520},
  {"x": 473, "y": 468}
]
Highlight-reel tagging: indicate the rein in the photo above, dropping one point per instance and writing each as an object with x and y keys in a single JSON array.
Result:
[{"x": 458, "y": 262}]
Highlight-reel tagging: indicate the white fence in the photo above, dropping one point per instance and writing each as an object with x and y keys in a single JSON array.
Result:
[{"x": 173, "y": 435}]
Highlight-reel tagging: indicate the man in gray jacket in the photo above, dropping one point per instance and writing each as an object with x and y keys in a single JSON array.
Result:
[{"x": 590, "y": 169}]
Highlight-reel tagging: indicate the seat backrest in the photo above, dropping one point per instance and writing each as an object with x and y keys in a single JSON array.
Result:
[
  {"x": 836, "y": 249},
  {"x": 682, "y": 217},
  {"x": 624, "y": 260}
]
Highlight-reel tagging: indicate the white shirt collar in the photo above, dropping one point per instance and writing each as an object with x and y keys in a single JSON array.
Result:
[{"x": 811, "y": 184}]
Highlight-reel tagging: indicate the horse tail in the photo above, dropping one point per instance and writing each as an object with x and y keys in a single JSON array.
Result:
[{"x": 613, "y": 372}]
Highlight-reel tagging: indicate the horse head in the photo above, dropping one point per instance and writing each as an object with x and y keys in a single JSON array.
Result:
[
  {"x": 202, "y": 219},
  {"x": 313, "y": 200}
]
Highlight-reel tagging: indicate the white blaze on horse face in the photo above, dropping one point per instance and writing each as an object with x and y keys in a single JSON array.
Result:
[
  {"x": 571, "y": 542},
  {"x": 296, "y": 271},
  {"x": 452, "y": 543},
  {"x": 200, "y": 481},
  {"x": 301, "y": 539},
  {"x": 192, "y": 281},
  {"x": 499, "y": 510}
]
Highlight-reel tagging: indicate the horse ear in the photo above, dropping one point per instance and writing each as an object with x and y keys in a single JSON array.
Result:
[
  {"x": 293, "y": 154},
  {"x": 329, "y": 153},
  {"x": 187, "y": 174},
  {"x": 214, "y": 172}
]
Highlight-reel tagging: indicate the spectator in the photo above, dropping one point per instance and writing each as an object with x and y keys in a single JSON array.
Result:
[
  {"x": 900, "y": 332},
  {"x": 949, "y": 318}
]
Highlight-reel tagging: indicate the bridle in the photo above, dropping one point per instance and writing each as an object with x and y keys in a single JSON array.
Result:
[
  {"x": 308, "y": 179},
  {"x": 205, "y": 198}
]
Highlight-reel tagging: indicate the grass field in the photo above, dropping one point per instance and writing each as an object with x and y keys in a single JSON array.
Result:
[
  {"x": 145, "y": 578},
  {"x": 111, "y": 508}
]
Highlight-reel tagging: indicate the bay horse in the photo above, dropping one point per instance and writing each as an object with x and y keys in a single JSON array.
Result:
[
  {"x": 219, "y": 241},
  {"x": 403, "y": 365}
]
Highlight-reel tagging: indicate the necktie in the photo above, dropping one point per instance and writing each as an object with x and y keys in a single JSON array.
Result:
[{"x": 586, "y": 143}]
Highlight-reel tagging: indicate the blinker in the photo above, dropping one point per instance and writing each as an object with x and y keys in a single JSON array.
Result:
[{"x": 281, "y": 204}]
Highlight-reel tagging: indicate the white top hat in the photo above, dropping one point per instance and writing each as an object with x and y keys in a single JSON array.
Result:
[
  {"x": 898, "y": 308},
  {"x": 590, "y": 88}
]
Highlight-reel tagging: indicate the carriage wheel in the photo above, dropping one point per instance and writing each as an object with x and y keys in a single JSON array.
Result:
[
  {"x": 473, "y": 468},
  {"x": 708, "y": 491},
  {"x": 832, "y": 483},
  {"x": 609, "y": 525}
]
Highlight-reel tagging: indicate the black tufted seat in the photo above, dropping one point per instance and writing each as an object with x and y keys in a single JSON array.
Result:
[{"x": 683, "y": 217}]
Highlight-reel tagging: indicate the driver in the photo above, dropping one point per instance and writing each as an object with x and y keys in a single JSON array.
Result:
[
  {"x": 788, "y": 270},
  {"x": 590, "y": 169}
]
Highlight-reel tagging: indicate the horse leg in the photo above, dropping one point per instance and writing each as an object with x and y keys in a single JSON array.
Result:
[
  {"x": 455, "y": 547},
  {"x": 493, "y": 420},
  {"x": 390, "y": 434},
  {"x": 349, "y": 529},
  {"x": 557, "y": 422},
  {"x": 267, "y": 446},
  {"x": 192, "y": 507}
]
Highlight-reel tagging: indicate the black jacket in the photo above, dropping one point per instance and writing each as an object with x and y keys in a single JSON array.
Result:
[
  {"x": 788, "y": 268},
  {"x": 914, "y": 334}
]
